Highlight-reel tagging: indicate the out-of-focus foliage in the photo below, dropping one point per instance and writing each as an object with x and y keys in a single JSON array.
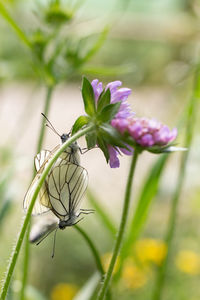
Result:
[{"x": 153, "y": 45}]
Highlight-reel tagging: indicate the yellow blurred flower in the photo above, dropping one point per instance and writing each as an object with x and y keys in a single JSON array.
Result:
[
  {"x": 150, "y": 250},
  {"x": 188, "y": 262},
  {"x": 106, "y": 258},
  {"x": 64, "y": 291},
  {"x": 133, "y": 276}
]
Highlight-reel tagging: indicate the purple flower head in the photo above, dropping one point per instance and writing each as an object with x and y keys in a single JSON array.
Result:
[
  {"x": 117, "y": 95},
  {"x": 146, "y": 132}
]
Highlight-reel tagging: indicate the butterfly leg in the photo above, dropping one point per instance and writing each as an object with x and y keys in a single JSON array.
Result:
[
  {"x": 78, "y": 220},
  {"x": 87, "y": 210}
]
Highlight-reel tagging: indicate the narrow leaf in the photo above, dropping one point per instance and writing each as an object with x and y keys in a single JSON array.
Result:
[
  {"x": 109, "y": 111},
  {"x": 97, "y": 45},
  {"x": 174, "y": 149},
  {"x": 104, "y": 100},
  {"x": 88, "y": 97},
  {"x": 14, "y": 25},
  {"x": 79, "y": 123},
  {"x": 101, "y": 213}
]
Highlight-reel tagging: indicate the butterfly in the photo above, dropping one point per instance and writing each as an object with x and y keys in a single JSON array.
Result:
[{"x": 63, "y": 189}]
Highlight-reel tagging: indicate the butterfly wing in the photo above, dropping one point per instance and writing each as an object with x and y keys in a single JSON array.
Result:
[
  {"x": 66, "y": 185},
  {"x": 40, "y": 158},
  {"x": 42, "y": 203}
]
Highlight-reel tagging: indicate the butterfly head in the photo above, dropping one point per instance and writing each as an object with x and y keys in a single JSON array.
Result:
[{"x": 64, "y": 137}]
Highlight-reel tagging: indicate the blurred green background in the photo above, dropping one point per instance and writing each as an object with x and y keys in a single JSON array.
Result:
[{"x": 152, "y": 47}]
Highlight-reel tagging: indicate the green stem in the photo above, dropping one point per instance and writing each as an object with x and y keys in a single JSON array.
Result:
[
  {"x": 17, "y": 247},
  {"x": 39, "y": 147},
  {"x": 92, "y": 248},
  {"x": 122, "y": 226},
  {"x": 26, "y": 264},
  {"x": 46, "y": 111},
  {"x": 159, "y": 284},
  {"x": 14, "y": 25}
]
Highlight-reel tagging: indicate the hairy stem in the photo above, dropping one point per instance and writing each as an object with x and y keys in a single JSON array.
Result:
[
  {"x": 17, "y": 248},
  {"x": 39, "y": 147},
  {"x": 122, "y": 226}
]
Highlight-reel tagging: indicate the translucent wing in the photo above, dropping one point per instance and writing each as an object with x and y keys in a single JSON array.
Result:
[
  {"x": 40, "y": 158},
  {"x": 66, "y": 186},
  {"x": 42, "y": 203}
]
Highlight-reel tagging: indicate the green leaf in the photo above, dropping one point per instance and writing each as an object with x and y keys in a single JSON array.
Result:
[
  {"x": 91, "y": 139},
  {"x": 79, "y": 123},
  {"x": 88, "y": 97},
  {"x": 104, "y": 100},
  {"x": 111, "y": 136},
  {"x": 102, "y": 145},
  {"x": 144, "y": 202},
  {"x": 165, "y": 149},
  {"x": 174, "y": 149},
  {"x": 97, "y": 45},
  {"x": 109, "y": 111},
  {"x": 101, "y": 213}
]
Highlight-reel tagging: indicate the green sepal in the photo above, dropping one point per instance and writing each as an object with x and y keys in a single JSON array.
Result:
[
  {"x": 104, "y": 100},
  {"x": 102, "y": 145},
  {"x": 111, "y": 136},
  {"x": 165, "y": 149},
  {"x": 109, "y": 111},
  {"x": 79, "y": 123},
  {"x": 88, "y": 97},
  {"x": 91, "y": 139}
]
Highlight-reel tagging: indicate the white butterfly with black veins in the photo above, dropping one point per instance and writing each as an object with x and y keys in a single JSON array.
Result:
[{"x": 63, "y": 189}]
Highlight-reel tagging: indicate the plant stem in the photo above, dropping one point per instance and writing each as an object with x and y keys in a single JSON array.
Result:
[
  {"x": 14, "y": 255},
  {"x": 191, "y": 114},
  {"x": 122, "y": 226},
  {"x": 14, "y": 25},
  {"x": 26, "y": 263},
  {"x": 92, "y": 248},
  {"x": 39, "y": 147},
  {"x": 46, "y": 111}
]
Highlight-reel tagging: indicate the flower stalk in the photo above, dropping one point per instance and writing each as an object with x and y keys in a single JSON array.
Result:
[
  {"x": 122, "y": 227},
  {"x": 191, "y": 116},
  {"x": 26, "y": 220}
]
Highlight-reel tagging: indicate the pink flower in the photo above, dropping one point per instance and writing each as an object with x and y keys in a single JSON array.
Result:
[
  {"x": 146, "y": 132},
  {"x": 117, "y": 95}
]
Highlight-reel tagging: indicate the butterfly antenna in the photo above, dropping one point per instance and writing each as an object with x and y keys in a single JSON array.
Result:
[
  {"x": 50, "y": 125},
  {"x": 54, "y": 243}
]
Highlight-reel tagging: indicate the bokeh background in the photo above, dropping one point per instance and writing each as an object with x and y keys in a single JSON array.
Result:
[{"x": 152, "y": 47}]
